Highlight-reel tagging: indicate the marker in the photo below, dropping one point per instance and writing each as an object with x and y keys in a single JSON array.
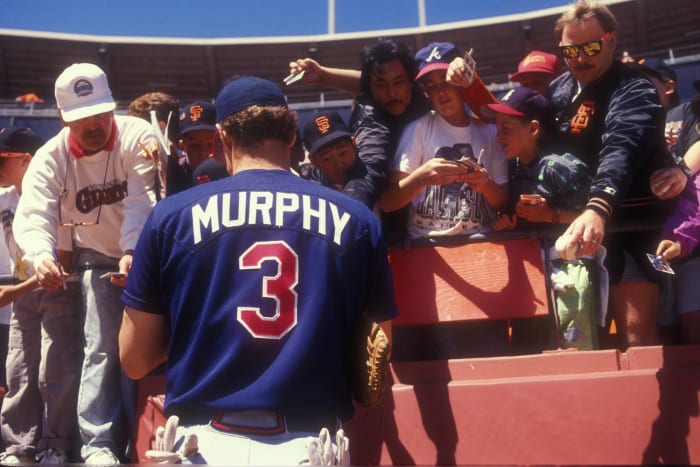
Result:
[{"x": 60, "y": 268}]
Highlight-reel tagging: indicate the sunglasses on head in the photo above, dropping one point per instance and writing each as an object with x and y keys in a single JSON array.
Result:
[{"x": 590, "y": 48}]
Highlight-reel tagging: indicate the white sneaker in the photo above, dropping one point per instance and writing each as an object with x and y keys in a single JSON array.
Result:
[
  {"x": 10, "y": 459},
  {"x": 102, "y": 457},
  {"x": 52, "y": 456}
]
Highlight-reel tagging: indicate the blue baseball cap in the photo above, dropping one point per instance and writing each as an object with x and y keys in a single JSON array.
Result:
[
  {"x": 19, "y": 140},
  {"x": 521, "y": 102},
  {"x": 199, "y": 115},
  {"x": 435, "y": 56},
  {"x": 324, "y": 128},
  {"x": 245, "y": 92},
  {"x": 657, "y": 67}
]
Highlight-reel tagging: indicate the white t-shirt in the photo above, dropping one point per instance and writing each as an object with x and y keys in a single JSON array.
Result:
[
  {"x": 8, "y": 247},
  {"x": 455, "y": 208}
]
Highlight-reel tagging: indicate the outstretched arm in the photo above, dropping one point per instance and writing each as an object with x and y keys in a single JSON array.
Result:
[{"x": 337, "y": 78}]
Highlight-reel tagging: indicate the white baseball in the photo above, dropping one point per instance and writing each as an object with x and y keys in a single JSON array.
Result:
[{"x": 564, "y": 249}]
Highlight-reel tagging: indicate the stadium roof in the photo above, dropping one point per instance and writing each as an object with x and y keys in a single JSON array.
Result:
[{"x": 196, "y": 68}]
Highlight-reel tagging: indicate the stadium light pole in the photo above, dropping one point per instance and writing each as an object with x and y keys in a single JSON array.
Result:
[
  {"x": 421, "y": 13},
  {"x": 331, "y": 16}
]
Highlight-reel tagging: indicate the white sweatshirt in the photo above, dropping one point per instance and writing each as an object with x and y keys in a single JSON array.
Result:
[{"x": 119, "y": 182}]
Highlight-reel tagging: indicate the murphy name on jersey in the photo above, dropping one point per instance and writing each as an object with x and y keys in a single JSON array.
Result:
[{"x": 275, "y": 209}]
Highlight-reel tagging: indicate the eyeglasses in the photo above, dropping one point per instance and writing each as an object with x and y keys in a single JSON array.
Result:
[
  {"x": 71, "y": 223},
  {"x": 435, "y": 88},
  {"x": 64, "y": 193},
  {"x": 590, "y": 48}
]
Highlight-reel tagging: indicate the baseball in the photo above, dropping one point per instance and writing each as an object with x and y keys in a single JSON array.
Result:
[{"x": 564, "y": 250}]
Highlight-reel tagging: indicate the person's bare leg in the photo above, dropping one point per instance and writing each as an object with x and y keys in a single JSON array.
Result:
[{"x": 634, "y": 306}]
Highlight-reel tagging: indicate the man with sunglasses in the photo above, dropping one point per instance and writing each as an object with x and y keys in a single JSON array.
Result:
[
  {"x": 611, "y": 117},
  {"x": 95, "y": 177}
]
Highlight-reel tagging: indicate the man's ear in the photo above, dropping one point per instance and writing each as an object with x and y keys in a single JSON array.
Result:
[
  {"x": 535, "y": 127},
  {"x": 60, "y": 116},
  {"x": 669, "y": 87}
]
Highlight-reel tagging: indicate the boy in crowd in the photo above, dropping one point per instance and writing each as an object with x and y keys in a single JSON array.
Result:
[
  {"x": 196, "y": 140},
  {"x": 549, "y": 188},
  {"x": 446, "y": 195},
  {"x": 536, "y": 71},
  {"x": 38, "y": 416},
  {"x": 681, "y": 237},
  {"x": 332, "y": 149}
]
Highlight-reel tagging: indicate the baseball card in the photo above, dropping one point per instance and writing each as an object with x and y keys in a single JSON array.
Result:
[{"x": 660, "y": 264}]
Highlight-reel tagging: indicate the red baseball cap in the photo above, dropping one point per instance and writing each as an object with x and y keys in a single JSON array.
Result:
[{"x": 538, "y": 62}]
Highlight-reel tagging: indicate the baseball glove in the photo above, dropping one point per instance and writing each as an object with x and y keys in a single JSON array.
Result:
[{"x": 371, "y": 364}]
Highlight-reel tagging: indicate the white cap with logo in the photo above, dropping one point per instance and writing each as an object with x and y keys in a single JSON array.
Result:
[{"x": 82, "y": 91}]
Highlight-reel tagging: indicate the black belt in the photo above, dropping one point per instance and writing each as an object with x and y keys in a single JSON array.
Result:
[{"x": 269, "y": 422}]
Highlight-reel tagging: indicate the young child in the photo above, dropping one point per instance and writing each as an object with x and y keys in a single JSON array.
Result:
[
  {"x": 332, "y": 149},
  {"x": 38, "y": 417},
  {"x": 681, "y": 236},
  {"x": 549, "y": 188},
  {"x": 448, "y": 167}
]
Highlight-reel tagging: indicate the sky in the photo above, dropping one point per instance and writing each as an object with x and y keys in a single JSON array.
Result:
[{"x": 243, "y": 18}]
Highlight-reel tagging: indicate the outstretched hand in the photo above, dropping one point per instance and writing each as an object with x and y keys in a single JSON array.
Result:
[{"x": 313, "y": 71}]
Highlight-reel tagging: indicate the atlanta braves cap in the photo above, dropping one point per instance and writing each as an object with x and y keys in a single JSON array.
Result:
[
  {"x": 18, "y": 140},
  {"x": 537, "y": 62},
  {"x": 198, "y": 115},
  {"x": 245, "y": 92},
  {"x": 324, "y": 128},
  {"x": 82, "y": 90},
  {"x": 521, "y": 102},
  {"x": 435, "y": 56}
]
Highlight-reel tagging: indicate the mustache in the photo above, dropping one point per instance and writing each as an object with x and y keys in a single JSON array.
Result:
[
  {"x": 583, "y": 66},
  {"x": 394, "y": 102},
  {"x": 94, "y": 133}
]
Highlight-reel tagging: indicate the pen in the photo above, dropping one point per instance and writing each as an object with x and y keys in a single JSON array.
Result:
[{"x": 60, "y": 268}]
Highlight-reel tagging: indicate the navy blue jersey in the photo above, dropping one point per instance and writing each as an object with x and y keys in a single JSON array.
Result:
[{"x": 262, "y": 277}]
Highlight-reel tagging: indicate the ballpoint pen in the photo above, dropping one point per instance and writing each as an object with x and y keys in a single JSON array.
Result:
[{"x": 60, "y": 268}]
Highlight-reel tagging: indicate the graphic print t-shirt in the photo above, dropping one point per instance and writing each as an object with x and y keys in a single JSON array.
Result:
[{"x": 454, "y": 208}]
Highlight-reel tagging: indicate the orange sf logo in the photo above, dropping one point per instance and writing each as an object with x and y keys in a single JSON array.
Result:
[
  {"x": 580, "y": 121},
  {"x": 323, "y": 124},
  {"x": 196, "y": 112}
]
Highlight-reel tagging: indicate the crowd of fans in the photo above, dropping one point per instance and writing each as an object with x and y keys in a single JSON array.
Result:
[{"x": 428, "y": 149}]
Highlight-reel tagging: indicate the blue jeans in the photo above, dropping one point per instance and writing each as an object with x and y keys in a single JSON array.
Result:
[
  {"x": 43, "y": 372},
  {"x": 105, "y": 400}
]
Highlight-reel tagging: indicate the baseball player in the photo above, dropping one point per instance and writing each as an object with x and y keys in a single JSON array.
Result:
[{"x": 250, "y": 288}]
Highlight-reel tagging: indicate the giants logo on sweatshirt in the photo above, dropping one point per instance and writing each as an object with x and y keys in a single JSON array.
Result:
[{"x": 91, "y": 197}]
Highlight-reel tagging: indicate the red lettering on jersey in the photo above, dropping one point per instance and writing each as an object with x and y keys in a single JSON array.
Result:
[
  {"x": 279, "y": 287},
  {"x": 580, "y": 121}
]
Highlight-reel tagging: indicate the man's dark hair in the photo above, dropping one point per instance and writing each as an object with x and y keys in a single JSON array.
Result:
[{"x": 385, "y": 50}]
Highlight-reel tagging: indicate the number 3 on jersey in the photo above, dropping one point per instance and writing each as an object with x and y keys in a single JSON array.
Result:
[{"x": 278, "y": 287}]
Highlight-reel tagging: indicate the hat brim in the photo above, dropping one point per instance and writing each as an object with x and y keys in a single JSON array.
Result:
[
  {"x": 11, "y": 153},
  {"x": 202, "y": 126},
  {"x": 94, "y": 108},
  {"x": 328, "y": 139},
  {"x": 517, "y": 75},
  {"x": 492, "y": 109},
  {"x": 432, "y": 67}
]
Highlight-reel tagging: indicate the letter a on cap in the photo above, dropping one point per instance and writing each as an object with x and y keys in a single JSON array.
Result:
[{"x": 435, "y": 53}]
